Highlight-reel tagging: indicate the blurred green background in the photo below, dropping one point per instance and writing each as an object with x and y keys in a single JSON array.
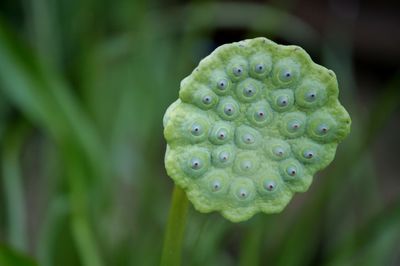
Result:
[{"x": 83, "y": 88}]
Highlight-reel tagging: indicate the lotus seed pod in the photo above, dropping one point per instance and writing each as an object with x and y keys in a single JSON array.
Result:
[{"x": 253, "y": 124}]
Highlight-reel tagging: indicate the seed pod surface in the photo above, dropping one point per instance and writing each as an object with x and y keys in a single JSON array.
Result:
[{"x": 254, "y": 122}]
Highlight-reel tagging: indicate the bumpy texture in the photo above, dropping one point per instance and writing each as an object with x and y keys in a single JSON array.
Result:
[{"x": 253, "y": 123}]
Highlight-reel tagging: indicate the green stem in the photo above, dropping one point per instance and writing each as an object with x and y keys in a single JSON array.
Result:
[
  {"x": 82, "y": 229},
  {"x": 172, "y": 249},
  {"x": 250, "y": 253},
  {"x": 13, "y": 186}
]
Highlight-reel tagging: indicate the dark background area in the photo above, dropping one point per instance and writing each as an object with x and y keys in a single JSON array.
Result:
[{"x": 84, "y": 85}]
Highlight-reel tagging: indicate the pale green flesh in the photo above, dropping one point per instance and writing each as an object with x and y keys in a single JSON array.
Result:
[{"x": 255, "y": 121}]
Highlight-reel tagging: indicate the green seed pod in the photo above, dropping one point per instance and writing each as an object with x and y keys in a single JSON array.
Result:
[{"x": 255, "y": 121}]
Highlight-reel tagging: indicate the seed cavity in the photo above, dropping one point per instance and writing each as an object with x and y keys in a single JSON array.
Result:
[
  {"x": 286, "y": 71},
  {"x": 279, "y": 151},
  {"x": 259, "y": 68},
  {"x": 308, "y": 154},
  {"x": 260, "y": 65},
  {"x": 311, "y": 96},
  {"x": 216, "y": 185},
  {"x": 222, "y": 133},
  {"x": 207, "y": 99},
  {"x": 291, "y": 170},
  {"x": 259, "y": 114},
  {"x": 308, "y": 151},
  {"x": 243, "y": 193},
  {"x": 222, "y": 84},
  {"x": 242, "y": 189},
  {"x": 294, "y": 125},
  {"x": 217, "y": 182},
  {"x": 283, "y": 101},
  {"x": 286, "y": 75},
  {"x": 224, "y": 156},
  {"x": 196, "y": 164},
  {"x": 229, "y": 109},
  {"x": 249, "y": 91},
  {"x": 196, "y": 130},
  {"x": 248, "y": 138},
  {"x": 237, "y": 71},
  {"x": 204, "y": 98},
  {"x": 323, "y": 129},
  {"x": 270, "y": 185},
  {"x": 246, "y": 165}
]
